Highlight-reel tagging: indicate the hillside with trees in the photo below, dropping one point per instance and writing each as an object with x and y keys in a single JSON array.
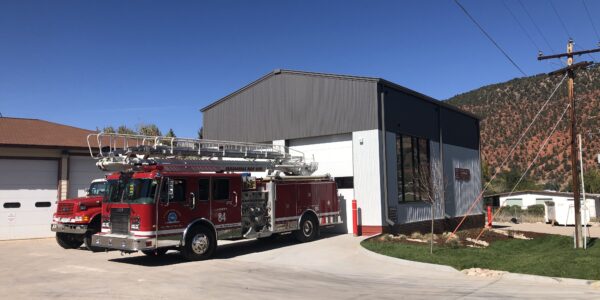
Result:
[{"x": 506, "y": 109}]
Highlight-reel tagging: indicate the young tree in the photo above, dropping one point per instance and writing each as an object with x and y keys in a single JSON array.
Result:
[
  {"x": 170, "y": 133},
  {"x": 108, "y": 129},
  {"x": 431, "y": 185},
  {"x": 125, "y": 130},
  {"x": 148, "y": 129}
]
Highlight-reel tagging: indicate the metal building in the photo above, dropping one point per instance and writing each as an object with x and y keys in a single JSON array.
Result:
[{"x": 345, "y": 123}]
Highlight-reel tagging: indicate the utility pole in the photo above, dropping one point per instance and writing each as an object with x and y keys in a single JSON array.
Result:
[{"x": 570, "y": 69}]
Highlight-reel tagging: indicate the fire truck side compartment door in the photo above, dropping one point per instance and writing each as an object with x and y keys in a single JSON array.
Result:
[{"x": 225, "y": 208}]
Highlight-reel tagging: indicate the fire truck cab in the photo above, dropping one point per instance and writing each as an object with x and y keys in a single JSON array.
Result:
[
  {"x": 163, "y": 205},
  {"x": 77, "y": 219}
]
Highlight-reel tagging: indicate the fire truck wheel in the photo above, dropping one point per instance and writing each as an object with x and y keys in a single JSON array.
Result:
[
  {"x": 68, "y": 240},
  {"x": 200, "y": 244},
  {"x": 155, "y": 253},
  {"x": 309, "y": 229}
]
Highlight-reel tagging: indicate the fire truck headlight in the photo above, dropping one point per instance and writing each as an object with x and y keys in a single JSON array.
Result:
[
  {"x": 78, "y": 219},
  {"x": 135, "y": 223},
  {"x": 105, "y": 223}
]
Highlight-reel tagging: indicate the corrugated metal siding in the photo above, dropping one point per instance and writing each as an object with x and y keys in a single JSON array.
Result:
[
  {"x": 289, "y": 106},
  {"x": 410, "y": 212},
  {"x": 461, "y": 194},
  {"x": 368, "y": 187}
]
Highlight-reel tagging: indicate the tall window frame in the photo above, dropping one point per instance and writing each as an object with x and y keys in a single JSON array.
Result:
[{"x": 413, "y": 156}]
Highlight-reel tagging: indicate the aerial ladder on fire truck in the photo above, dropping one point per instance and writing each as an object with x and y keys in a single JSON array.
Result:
[{"x": 127, "y": 152}]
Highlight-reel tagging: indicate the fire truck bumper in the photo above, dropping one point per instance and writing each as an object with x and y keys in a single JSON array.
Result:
[
  {"x": 123, "y": 242},
  {"x": 69, "y": 228}
]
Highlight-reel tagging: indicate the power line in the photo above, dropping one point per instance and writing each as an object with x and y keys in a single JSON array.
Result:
[
  {"x": 590, "y": 18},
  {"x": 532, "y": 162},
  {"x": 560, "y": 20},
  {"x": 489, "y": 37},
  {"x": 588, "y": 54},
  {"x": 508, "y": 156},
  {"x": 521, "y": 26},
  {"x": 536, "y": 27},
  {"x": 537, "y": 47}
]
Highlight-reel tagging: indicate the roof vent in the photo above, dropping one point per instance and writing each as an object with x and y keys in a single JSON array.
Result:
[{"x": 277, "y": 71}]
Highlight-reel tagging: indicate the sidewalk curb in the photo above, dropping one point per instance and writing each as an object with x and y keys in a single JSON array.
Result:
[{"x": 505, "y": 275}]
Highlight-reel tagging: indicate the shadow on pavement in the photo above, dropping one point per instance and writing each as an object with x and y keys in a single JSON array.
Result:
[{"x": 224, "y": 251}]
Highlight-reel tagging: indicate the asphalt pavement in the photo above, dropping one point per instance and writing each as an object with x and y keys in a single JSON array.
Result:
[{"x": 334, "y": 267}]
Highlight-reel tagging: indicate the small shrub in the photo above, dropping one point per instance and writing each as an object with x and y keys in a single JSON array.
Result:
[
  {"x": 454, "y": 243},
  {"x": 514, "y": 208},
  {"x": 416, "y": 235},
  {"x": 537, "y": 210}
]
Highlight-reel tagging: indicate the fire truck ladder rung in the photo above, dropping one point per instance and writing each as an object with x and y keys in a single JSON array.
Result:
[{"x": 122, "y": 150}]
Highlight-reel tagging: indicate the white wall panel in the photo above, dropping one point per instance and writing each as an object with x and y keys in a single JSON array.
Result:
[
  {"x": 367, "y": 176},
  {"x": 332, "y": 152}
]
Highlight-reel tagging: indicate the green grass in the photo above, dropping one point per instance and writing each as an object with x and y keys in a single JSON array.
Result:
[{"x": 547, "y": 256}]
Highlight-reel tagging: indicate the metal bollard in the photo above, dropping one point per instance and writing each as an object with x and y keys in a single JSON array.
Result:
[{"x": 354, "y": 218}]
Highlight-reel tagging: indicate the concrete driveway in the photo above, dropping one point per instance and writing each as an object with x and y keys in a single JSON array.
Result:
[{"x": 335, "y": 267}]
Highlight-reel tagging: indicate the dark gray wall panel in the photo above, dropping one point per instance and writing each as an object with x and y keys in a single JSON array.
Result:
[
  {"x": 459, "y": 129},
  {"x": 407, "y": 114},
  {"x": 289, "y": 106}
]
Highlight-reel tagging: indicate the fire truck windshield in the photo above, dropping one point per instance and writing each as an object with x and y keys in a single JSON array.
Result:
[
  {"x": 114, "y": 190},
  {"x": 130, "y": 190},
  {"x": 140, "y": 191},
  {"x": 97, "y": 189}
]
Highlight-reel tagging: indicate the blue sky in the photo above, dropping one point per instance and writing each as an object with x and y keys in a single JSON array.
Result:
[{"x": 96, "y": 63}]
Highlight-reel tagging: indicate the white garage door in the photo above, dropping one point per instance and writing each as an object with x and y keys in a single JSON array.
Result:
[
  {"x": 82, "y": 170},
  {"x": 28, "y": 192}
]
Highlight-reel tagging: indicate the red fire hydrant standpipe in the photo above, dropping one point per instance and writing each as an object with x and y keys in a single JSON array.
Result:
[
  {"x": 489, "y": 216},
  {"x": 354, "y": 218}
]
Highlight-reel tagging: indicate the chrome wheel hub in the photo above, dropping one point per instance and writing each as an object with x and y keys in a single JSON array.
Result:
[
  {"x": 200, "y": 243},
  {"x": 307, "y": 228}
]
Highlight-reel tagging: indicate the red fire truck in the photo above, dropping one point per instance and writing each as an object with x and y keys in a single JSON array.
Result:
[
  {"x": 76, "y": 220},
  {"x": 184, "y": 194}
]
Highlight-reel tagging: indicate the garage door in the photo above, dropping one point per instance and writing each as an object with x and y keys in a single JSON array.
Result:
[
  {"x": 82, "y": 170},
  {"x": 28, "y": 192}
]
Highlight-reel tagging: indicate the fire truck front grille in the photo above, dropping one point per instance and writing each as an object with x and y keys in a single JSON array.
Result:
[
  {"x": 119, "y": 220},
  {"x": 64, "y": 209}
]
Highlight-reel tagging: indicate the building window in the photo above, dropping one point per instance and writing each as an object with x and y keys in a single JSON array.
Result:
[{"x": 412, "y": 156}]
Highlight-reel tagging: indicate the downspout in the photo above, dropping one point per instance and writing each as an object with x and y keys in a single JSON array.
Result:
[
  {"x": 385, "y": 177},
  {"x": 443, "y": 183}
]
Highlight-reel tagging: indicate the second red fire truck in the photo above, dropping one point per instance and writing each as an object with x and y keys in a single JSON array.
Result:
[{"x": 185, "y": 194}]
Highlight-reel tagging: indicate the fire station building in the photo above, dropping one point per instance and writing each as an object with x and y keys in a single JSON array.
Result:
[
  {"x": 376, "y": 138},
  {"x": 41, "y": 162}
]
